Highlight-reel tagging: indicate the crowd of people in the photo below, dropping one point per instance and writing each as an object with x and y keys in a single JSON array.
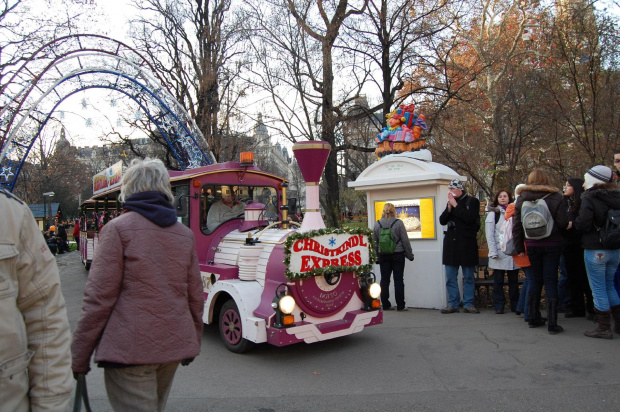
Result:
[{"x": 549, "y": 228}]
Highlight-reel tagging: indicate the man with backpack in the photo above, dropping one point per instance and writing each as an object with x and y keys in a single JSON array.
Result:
[
  {"x": 392, "y": 246},
  {"x": 460, "y": 246},
  {"x": 539, "y": 219}
]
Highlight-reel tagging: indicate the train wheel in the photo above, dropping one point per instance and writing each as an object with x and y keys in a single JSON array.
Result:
[{"x": 231, "y": 330}]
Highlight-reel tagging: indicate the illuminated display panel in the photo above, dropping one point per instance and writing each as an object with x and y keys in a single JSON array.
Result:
[{"x": 418, "y": 215}]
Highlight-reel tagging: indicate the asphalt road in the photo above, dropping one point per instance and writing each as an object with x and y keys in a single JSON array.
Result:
[{"x": 416, "y": 360}]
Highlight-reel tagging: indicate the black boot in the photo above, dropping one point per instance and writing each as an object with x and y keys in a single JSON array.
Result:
[
  {"x": 534, "y": 311},
  {"x": 615, "y": 311},
  {"x": 552, "y": 314},
  {"x": 603, "y": 330}
]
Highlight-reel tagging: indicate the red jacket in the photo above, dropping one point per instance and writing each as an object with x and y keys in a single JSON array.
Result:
[
  {"x": 76, "y": 231},
  {"x": 143, "y": 301}
]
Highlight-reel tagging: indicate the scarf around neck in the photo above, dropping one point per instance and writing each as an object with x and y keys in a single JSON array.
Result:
[{"x": 154, "y": 206}]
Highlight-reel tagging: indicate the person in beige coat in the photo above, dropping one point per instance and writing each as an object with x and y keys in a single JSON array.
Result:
[{"x": 35, "y": 357}]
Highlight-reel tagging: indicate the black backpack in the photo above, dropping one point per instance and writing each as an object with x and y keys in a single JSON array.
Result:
[{"x": 609, "y": 233}]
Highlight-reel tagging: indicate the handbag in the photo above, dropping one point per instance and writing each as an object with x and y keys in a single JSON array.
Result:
[
  {"x": 81, "y": 394},
  {"x": 507, "y": 244}
]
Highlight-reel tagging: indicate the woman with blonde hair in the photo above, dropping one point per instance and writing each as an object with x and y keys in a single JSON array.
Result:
[
  {"x": 543, "y": 252},
  {"x": 392, "y": 263}
]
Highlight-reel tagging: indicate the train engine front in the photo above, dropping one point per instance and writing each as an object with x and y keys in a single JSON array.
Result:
[{"x": 284, "y": 283}]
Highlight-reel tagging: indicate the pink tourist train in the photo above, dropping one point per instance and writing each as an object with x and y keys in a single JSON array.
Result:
[{"x": 267, "y": 278}]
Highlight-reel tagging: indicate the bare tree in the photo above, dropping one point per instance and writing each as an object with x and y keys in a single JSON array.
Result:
[{"x": 194, "y": 45}]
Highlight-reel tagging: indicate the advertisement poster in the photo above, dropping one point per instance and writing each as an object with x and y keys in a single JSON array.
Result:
[
  {"x": 108, "y": 178},
  {"x": 418, "y": 215}
]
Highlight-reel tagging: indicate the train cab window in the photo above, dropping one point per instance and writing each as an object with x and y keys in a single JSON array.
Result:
[
  {"x": 181, "y": 202},
  {"x": 220, "y": 203}
]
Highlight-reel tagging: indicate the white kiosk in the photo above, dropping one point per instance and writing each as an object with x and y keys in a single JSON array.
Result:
[{"x": 418, "y": 188}]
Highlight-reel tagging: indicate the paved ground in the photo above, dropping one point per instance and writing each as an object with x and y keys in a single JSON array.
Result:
[{"x": 416, "y": 360}]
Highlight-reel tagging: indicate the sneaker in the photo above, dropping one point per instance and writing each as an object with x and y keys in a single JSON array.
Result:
[
  {"x": 499, "y": 311},
  {"x": 390, "y": 308},
  {"x": 402, "y": 310},
  {"x": 449, "y": 309},
  {"x": 471, "y": 309}
]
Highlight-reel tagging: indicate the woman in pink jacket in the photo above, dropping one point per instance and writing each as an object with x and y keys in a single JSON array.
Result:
[{"x": 143, "y": 301}]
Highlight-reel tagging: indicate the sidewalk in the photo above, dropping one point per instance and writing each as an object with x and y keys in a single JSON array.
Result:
[{"x": 416, "y": 360}]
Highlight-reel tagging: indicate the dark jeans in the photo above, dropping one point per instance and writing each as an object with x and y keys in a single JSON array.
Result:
[
  {"x": 499, "y": 299},
  {"x": 564, "y": 291},
  {"x": 578, "y": 280},
  {"x": 392, "y": 264},
  {"x": 545, "y": 261}
]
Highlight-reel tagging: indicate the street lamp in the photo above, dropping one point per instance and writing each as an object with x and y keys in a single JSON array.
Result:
[{"x": 47, "y": 194}]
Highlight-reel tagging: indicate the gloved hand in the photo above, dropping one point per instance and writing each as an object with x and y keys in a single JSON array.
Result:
[
  {"x": 412, "y": 257},
  {"x": 187, "y": 361},
  {"x": 76, "y": 375}
]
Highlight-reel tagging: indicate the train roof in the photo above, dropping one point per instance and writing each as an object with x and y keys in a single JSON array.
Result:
[
  {"x": 180, "y": 175},
  {"x": 176, "y": 175}
]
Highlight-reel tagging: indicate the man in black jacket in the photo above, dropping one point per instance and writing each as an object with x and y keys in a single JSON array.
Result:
[{"x": 460, "y": 246}]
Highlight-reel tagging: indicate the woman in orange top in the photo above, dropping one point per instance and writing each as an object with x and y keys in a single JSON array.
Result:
[{"x": 521, "y": 261}]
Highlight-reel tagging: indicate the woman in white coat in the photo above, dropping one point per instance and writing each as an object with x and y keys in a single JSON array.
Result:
[{"x": 500, "y": 263}]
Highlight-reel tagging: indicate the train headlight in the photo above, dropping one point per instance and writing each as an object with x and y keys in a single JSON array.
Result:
[
  {"x": 287, "y": 304},
  {"x": 371, "y": 291},
  {"x": 374, "y": 290},
  {"x": 284, "y": 305}
]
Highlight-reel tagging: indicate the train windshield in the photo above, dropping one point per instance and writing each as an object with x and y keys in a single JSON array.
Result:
[{"x": 220, "y": 203}]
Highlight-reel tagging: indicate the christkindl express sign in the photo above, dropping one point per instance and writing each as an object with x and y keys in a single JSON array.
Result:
[{"x": 329, "y": 252}]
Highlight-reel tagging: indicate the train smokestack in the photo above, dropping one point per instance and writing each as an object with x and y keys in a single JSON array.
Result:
[{"x": 311, "y": 157}]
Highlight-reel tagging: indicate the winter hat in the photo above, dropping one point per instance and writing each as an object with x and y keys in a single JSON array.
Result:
[
  {"x": 597, "y": 175},
  {"x": 518, "y": 190},
  {"x": 456, "y": 184}
]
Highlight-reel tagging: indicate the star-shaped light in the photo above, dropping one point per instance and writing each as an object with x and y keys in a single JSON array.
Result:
[
  {"x": 6, "y": 172},
  {"x": 332, "y": 241}
]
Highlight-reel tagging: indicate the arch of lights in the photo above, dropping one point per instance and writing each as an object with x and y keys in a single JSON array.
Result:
[{"x": 80, "y": 62}]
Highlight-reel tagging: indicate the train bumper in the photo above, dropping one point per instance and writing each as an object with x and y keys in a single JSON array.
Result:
[{"x": 353, "y": 322}]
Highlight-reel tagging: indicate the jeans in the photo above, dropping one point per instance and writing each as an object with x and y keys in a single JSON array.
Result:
[
  {"x": 499, "y": 300},
  {"x": 523, "y": 306},
  {"x": 601, "y": 266},
  {"x": 564, "y": 292},
  {"x": 140, "y": 388},
  {"x": 544, "y": 266},
  {"x": 392, "y": 264},
  {"x": 469, "y": 286}
]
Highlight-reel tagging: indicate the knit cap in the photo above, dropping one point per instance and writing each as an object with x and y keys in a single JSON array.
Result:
[
  {"x": 456, "y": 184},
  {"x": 597, "y": 175}
]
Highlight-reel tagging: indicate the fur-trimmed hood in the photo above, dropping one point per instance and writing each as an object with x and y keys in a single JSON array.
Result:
[
  {"x": 536, "y": 188},
  {"x": 606, "y": 193},
  {"x": 491, "y": 208}
]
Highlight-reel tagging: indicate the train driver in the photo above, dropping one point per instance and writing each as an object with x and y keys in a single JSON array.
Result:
[{"x": 227, "y": 208}]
